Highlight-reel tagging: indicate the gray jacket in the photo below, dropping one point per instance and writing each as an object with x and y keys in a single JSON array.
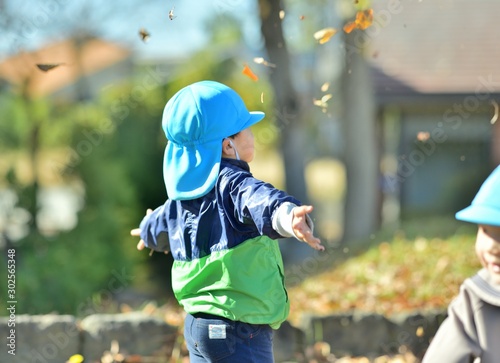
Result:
[{"x": 471, "y": 332}]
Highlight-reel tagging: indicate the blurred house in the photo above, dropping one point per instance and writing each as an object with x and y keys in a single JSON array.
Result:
[
  {"x": 435, "y": 67},
  {"x": 81, "y": 68}
]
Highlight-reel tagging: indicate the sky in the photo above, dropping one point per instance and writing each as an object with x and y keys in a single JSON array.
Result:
[{"x": 37, "y": 22}]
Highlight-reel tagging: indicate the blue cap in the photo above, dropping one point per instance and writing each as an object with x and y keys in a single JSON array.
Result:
[
  {"x": 196, "y": 120},
  {"x": 485, "y": 208}
]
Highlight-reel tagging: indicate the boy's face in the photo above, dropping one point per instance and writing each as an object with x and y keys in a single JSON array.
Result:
[
  {"x": 244, "y": 144},
  {"x": 488, "y": 249}
]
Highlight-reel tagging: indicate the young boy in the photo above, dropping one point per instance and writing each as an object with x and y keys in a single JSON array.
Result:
[
  {"x": 221, "y": 226},
  {"x": 471, "y": 332}
]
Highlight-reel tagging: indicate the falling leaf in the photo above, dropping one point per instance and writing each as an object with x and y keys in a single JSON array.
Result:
[
  {"x": 325, "y": 86},
  {"x": 171, "y": 15},
  {"x": 249, "y": 73},
  {"x": 323, "y": 102},
  {"x": 144, "y": 34},
  {"x": 302, "y": 17},
  {"x": 363, "y": 20},
  {"x": 77, "y": 358},
  {"x": 282, "y": 14},
  {"x": 48, "y": 67},
  {"x": 349, "y": 27},
  {"x": 262, "y": 97},
  {"x": 495, "y": 116},
  {"x": 260, "y": 60},
  {"x": 324, "y": 35},
  {"x": 423, "y": 136},
  {"x": 420, "y": 332}
]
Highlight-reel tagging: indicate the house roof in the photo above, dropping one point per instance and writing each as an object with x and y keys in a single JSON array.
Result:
[
  {"x": 96, "y": 54},
  {"x": 432, "y": 47}
]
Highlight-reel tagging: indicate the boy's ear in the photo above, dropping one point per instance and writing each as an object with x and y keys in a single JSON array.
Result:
[{"x": 227, "y": 148}]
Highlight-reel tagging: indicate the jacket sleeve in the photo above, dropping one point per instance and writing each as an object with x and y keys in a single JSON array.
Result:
[
  {"x": 154, "y": 230},
  {"x": 456, "y": 340},
  {"x": 254, "y": 202}
]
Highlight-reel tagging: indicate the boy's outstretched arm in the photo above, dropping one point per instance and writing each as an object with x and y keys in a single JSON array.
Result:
[{"x": 302, "y": 229}]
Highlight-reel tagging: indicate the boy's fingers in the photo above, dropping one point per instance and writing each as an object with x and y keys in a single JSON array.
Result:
[
  {"x": 140, "y": 245},
  {"x": 302, "y": 210},
  {"x": 136, "y": 232}
]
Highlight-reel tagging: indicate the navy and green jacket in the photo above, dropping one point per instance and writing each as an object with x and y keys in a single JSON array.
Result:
[{"x": 227, "y": 261}]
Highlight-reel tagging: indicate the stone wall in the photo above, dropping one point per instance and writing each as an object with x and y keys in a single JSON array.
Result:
[{"x": 54, "y": 338}]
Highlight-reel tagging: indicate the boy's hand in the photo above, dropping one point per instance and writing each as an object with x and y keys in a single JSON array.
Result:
[
  {"x": 302, "y": 229},
  {"x": 136, "y": 232}
]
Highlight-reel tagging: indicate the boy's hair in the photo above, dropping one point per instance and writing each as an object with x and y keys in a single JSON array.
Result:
[
  {"x": 195, "y": 119},
  {"x": 485, "y": 208}
]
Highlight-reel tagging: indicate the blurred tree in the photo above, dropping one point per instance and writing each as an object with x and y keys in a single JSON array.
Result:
[
  {"x": 361, "y": 154},
  {"x": 288, "y": 109}
]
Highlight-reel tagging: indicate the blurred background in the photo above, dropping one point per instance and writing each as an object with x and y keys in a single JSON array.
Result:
[{"x": 382, "y": 114}]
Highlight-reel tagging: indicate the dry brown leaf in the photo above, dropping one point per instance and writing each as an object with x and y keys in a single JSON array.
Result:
[
  {"x": 495, "y": 115},
  {"x": 363, "y": 20},
  {"x": 349, "y": 27},
  {"x": 171, "y": 15},
  {"x": 144, "y": 35},
  {"x": 324, "y": 35},
  {"x": 48, "y": 67},
  {"x": 249, "y": 73},
  {"x": 260, "y": 60}
]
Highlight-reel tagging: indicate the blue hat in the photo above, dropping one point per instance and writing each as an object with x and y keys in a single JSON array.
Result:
[
  {"x": 196, "y": 120},
  {"x": 485, "y": 208}
]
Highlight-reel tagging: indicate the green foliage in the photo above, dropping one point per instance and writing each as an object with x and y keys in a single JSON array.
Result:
[{"x": 13, "y": 122}]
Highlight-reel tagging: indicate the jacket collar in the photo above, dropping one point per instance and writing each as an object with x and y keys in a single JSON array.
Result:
[{"x": 233, "y": 162}]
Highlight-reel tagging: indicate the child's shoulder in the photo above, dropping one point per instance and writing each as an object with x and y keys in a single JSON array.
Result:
[{"x": 482, "y": 287}]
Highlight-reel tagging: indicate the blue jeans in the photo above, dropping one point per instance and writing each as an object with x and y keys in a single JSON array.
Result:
[{"x": 213, "y": 339}]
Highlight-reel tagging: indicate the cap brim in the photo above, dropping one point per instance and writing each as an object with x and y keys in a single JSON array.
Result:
[
  {"x": 254, "y": 117},
  {"x": 191, "y": 171},
  {"x": 479, "y": 215}
]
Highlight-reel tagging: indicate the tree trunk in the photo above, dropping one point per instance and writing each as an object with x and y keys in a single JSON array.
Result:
[
  {"x": 495, "y": 144},
  {"x": 288, "y": 117},
  {"x": 288, "y": 110},
  {"x": 361, "y": 154}
]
